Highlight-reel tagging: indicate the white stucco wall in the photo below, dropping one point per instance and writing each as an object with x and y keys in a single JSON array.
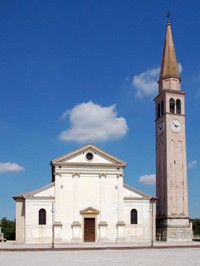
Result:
[{"x": 35, "y": 233}]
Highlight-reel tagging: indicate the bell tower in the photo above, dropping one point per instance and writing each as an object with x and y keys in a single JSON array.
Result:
[{"x": 171, "y": 169}]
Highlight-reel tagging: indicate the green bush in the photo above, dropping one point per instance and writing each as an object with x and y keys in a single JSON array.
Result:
[
  {"x": 196, "y": 226},
  {"x": 8, "y": 228}
]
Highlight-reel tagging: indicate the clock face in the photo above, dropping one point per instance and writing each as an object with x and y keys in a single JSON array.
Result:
[
  {"x": 175, "y": 125},
  {"x": 160, "y": 128}
]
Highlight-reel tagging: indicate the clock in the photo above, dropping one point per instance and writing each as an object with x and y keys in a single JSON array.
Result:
[
  {"x": 160, "y": 128},
  {"x": 175, "y": 125}
]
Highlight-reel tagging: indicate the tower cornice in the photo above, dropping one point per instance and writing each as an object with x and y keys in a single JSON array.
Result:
[{"x": 169, "y": 91}]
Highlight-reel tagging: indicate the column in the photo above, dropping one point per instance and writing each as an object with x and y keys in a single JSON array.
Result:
[
  {"x": 120, "y": 224},
  {"x": 103, "y": 223},
  {"x": 76, "y": 225}
]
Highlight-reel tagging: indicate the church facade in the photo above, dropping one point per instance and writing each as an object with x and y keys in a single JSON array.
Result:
[{"x": 87, "y": 201}]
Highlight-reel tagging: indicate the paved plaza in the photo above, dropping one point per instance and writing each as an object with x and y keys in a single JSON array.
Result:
[
  {"x": 99, "y": 255},
  {"x": 138, "y": 257}
]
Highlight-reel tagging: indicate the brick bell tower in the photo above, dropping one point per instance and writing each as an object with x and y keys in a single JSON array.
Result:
[{"x": 172, "y": 219}]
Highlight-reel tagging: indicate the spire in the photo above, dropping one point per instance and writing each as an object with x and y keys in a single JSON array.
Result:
[{"x": 169, "y": 66}]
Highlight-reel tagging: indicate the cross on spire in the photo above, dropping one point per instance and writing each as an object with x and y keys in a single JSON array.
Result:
[{"x": 168, "y": 17}]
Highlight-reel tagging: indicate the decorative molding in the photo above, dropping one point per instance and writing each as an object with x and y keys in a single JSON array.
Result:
[
  {"x": 75, "y": 174},
  {"x": 120, "y": 223},
  {"x": 102, "y": 175},
  {"x": 89, "y": 210},
  {"x": 103, "y": 223},
  {"x": 76, "y": 223},
  {"x": 57, "y": 224}
]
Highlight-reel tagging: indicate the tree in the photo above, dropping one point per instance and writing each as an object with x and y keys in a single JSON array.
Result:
[
  {"x": 8, "y": 228},
  {"x": 196, "y": 226}
]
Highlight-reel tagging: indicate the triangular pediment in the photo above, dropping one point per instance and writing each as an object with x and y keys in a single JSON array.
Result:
[
  {"x": 42, "y": 192},
  {"x": 89, "y": 210},
  {"x": 133, "y": 193},
  {"x": 89, "y": 154}
]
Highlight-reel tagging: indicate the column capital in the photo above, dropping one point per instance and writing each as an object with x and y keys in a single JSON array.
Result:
[
  {"x": 102, "y": 175},
  {"x": 76, "y": 174}
]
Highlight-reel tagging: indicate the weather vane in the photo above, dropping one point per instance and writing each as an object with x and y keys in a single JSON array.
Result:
[{"x": 168, "y": 16}]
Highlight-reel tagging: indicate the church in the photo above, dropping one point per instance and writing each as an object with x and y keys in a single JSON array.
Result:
[{"x": 87, "y": 199}]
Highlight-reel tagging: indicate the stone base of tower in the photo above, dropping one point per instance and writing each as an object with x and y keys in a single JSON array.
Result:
[{"x": 173, "y": 229}]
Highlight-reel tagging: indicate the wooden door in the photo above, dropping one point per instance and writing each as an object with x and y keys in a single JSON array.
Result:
[{"x": 89, "y": 229}]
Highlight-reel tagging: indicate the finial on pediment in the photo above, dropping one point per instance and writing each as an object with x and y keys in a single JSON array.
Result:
[{"x": 90, "y": 141}]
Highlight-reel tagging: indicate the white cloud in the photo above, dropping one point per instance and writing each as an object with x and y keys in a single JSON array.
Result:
[
  {"x": 192, "y": 164},
  {"x": 148, "y": 179},
  {"x": 146, "y": 83},
  {"x": 64, "y": 115},
  {"x": 10, "y": 167},
  {"x": 89, "y": 121},
  {"x": 180, "y": 68}
]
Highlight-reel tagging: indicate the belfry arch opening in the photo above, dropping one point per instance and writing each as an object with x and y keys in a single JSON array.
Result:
[
  {"x": 172, "y": 105},
  {"x": 178, "y": 106}
]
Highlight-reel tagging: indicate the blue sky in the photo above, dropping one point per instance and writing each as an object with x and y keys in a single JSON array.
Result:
[{"x": 90, "y": 66}]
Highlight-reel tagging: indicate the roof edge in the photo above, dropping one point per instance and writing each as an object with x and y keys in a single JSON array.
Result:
[
  {"x": 56, "y": 160},
  {"x": 137, "y": 191},
  {"x": 29, "y": 194}
]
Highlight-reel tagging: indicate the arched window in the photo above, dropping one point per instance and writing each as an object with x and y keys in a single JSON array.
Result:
[
  {"x": 42, "y": 216},
  {"x": 162, "y": 107},
  {"x": 172, "y": 105},
  {"x": 178, "y": 106},
  {"x": 133, "y": 216},
  {"x": 158, "y": 111}
]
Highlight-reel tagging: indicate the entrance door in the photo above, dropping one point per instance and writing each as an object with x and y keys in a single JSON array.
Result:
[{"x": 89, "y": 229}]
